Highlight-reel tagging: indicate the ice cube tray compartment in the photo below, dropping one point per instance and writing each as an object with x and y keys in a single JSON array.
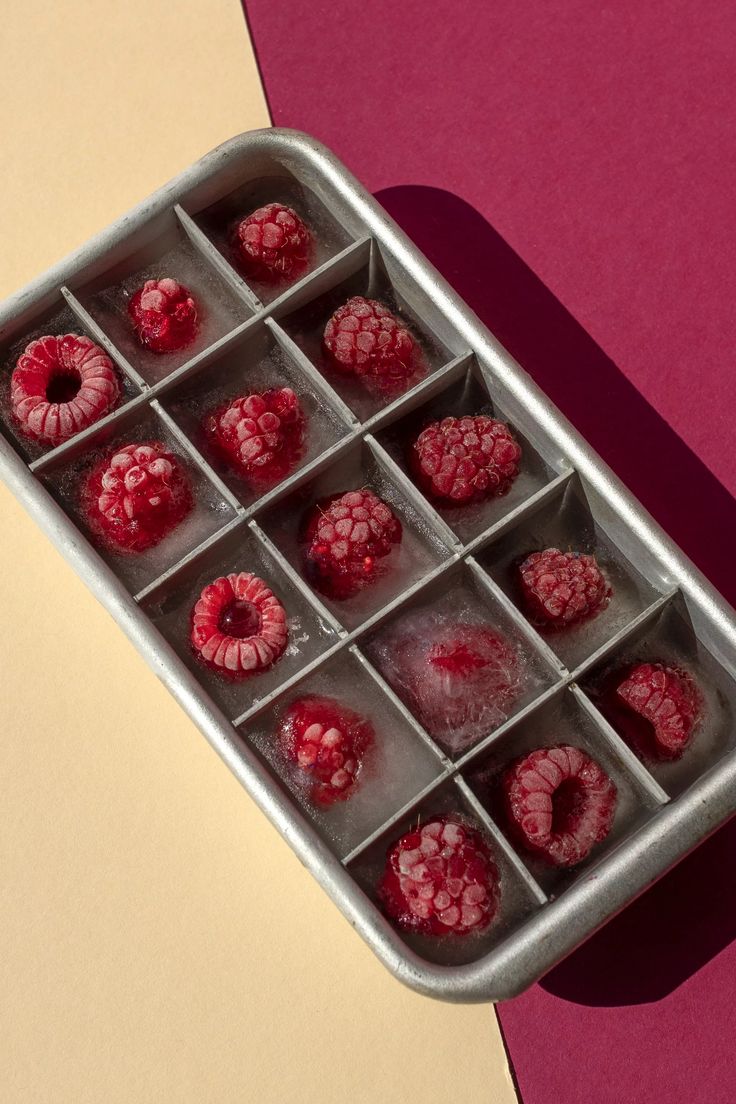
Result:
[
  {"x": 53, "y": 318},
  {"x": 564, "y": 495}
]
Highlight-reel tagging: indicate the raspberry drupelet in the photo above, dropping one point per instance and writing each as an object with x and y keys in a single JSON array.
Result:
[
  {"x": 164, "y": 315},
  {"x": 656, "y": 708},
  {"x": 238, "y": 625},
  {"x": 260, "y": 436},
  {"x": 468, "y": 459},
  {"x": 272, "y": 245},
  {"x": 461, "y": 679},
  {"x": 559, "y": 803},
  {"x": 363, "y": 339},
  {"x": 562, "y": 588},
  {"x": 61, "y": 385},
  {"x": 137, "y": 496},
  {"x": 441, "y": 879},
  {"x": 328, "y": 742},
  {"x": 346, "y": 541}
]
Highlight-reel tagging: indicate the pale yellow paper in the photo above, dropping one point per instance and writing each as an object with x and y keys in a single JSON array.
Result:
[{"x": 159, "y": 944}]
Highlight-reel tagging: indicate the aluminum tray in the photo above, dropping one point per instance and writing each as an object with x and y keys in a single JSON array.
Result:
[{"x": 663, "y": 606}]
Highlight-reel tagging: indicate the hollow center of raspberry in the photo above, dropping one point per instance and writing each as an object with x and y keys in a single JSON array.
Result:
[
  {"x": 457, "y": 660},
  {"x": 63, "y": 387},
  {"x": 567, "y": 804},
  {"x": 240, "y": 619}
]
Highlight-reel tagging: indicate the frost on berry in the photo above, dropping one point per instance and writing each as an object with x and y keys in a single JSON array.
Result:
[
  {"x": 559, "y": 589},
  {"x": 440, "y": 879},
  {"x": 136, "y": 496},
  {"x": 164, "y": 316},
  {"x": 61, "y": 385},
  {"x": 559, "y": 803},
  {"x": 657, "y": 708},
  {"x": 328, "y": 742},
  {"x": 260, "y": 436},
  {"x": 468, "y": 459},
  {"x": 272, "y": 244},
  {"x": 346, "y": 540},
  {"x": 365, "y": 340},
  {"x": 238, "y": 625},
  {"x": 460, "y": 678}
]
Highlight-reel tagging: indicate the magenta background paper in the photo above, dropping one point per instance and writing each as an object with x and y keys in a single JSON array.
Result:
[{"x": 570, "y": 168}]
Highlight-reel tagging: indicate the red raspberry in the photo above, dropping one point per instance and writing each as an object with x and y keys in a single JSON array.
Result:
[
  {"x": 272, "y": 244},
  {"x": 440, "y": 879},
  {"x": 60, "y": 386},
  {"x": 460, "y": 679},
  {"x": 137, "y": 496},
  {"x": 364, "y": 339},
  {"x": 562, "y": 588},
  {"x": 657, "y": 709},
  {"x": 260, "y": 435},
  {"x": 560, "y": 803},
  {"x": 327, "y": 741},
  {"x": 466, "y": 459},
  {"x": 345, "y": 537},
  {"x": 164, "y": 314},
  {"x": 238, "y": 625}
]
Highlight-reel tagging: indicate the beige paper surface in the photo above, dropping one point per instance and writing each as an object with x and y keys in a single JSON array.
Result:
[{"x": 159, "y": 943}]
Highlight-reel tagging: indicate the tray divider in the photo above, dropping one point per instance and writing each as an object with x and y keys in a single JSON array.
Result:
[
  {"x": 214, "y": 258},
  {"x": 395, "y": 818},
  {"x": 533, "y": 638},
  {"x": 197, "y": 458},
  {"x": 318, "y": 381},
  {"x": 625, "y": 757},
  {"x": 490, "y": 826},
  {"x": 296, "y": 579},
  {"x": 102, "y": 339},
  {"x": 77, "y": 443},
  {"x": 408, "y": 716},
  {"x": 413, "y": 495}
]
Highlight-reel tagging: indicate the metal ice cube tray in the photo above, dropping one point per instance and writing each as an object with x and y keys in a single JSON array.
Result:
[{"x": 662, "y": 606}]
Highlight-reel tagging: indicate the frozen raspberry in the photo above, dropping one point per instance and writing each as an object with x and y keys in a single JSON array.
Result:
[
  {"x": 460, "y": 460},
  {"x": 328, "y": 742},
  {"x": 260, "y": 436},
  {"x": 164, "y": 314},
  {"x": 562, "y": 588},
  {"x": 656, "y": 709},
  {"x": 461, "y": 680},
  {"x": 440, "y": 879},
  {"x": 559, "y": 803},
  {"x": 364, "y": 339},
  {"x": 137, "y": 496},
  {"x": 238, "y": 625},
  {"x": 345, "y": 539},
  {"x": 60, "y": 386},
  {"x": 272, "y": 245}
]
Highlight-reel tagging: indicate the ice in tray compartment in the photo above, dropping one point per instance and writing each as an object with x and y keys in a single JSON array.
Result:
[
  {"x": 568, "y": 523},
  {"x": 305, "y": 323},
  {"x": 415, "y": 556},
  {"x": 67, "y": 476},
  {"x": 171, "y": 255},
  {"x": 220, "y": 219},
  {"x": 60, "y": 319},
  {"x": 466, "y": 395},
  {"x": 669, "y": 638},
  {"x": 562, "y": 720},
  {"x": 170, "y": 607},
  {"x": 255, "y": 362},
  {"x": 395, "y": 768},
  {"x": 517, "y": 901},
  {"x": 456, "y": 706}
]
